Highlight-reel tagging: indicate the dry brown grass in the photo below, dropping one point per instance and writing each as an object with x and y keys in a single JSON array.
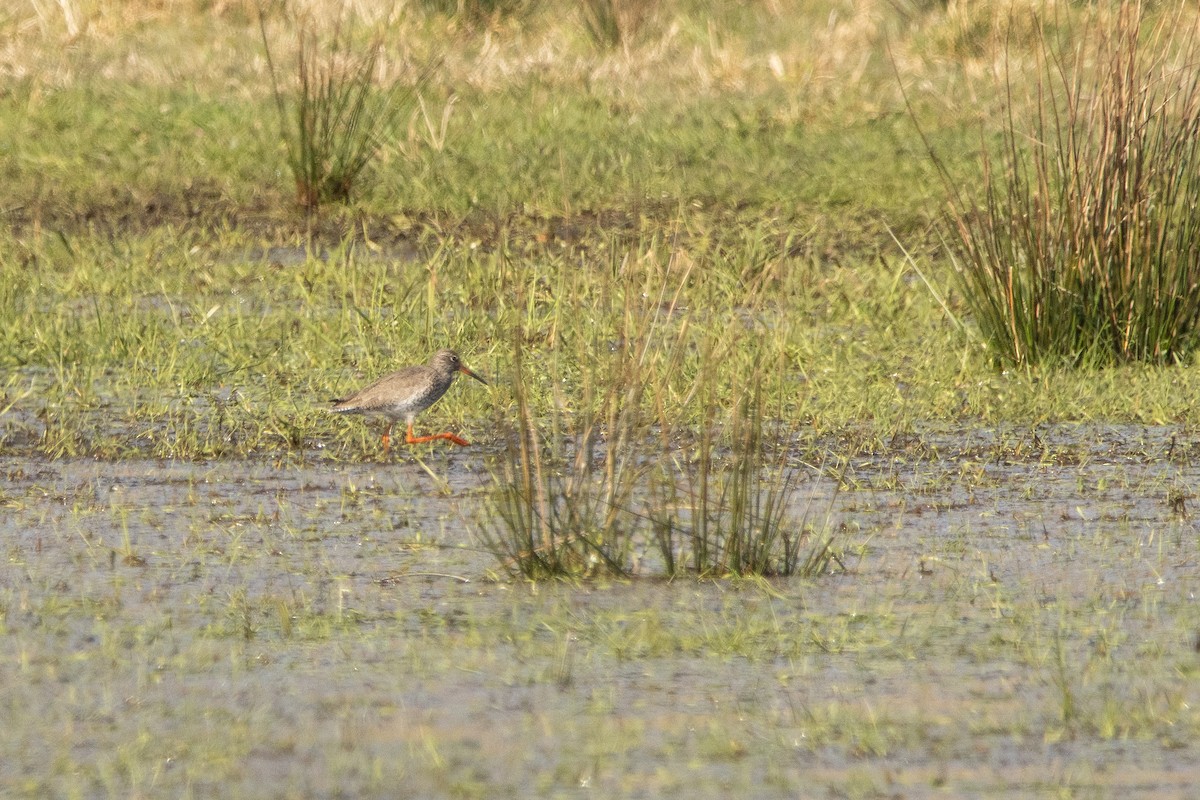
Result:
[{"x": 819, "y": 53}]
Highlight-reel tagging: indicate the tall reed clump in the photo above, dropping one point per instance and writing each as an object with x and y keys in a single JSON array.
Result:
[
  {"x": 334, "y": 114},
  {"x": 732, "y": 507},
  {"x": 566, "y": 481},
  {"x": 1084, "y": 245},
  {"x": 665, "y": 445}
]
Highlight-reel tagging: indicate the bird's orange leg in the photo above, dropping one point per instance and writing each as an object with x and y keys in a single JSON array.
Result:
[
  {"x": 450, "y": 437},
  {"x": 387, "y": 438}
]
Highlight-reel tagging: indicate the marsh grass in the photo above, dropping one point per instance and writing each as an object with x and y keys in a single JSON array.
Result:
[
  {"x": 335, "y": 115},
  {"x": 141, "y": 344},
  {"x": 737, "y": 512},
  {"x": 547, "y": 522},
  {"x": 567, "y": 480},
  {"x": 1084, "y": 247},
  {"x": 660, "y": 443}
]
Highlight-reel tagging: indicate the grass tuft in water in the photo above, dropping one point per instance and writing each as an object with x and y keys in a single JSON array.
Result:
[
  {"x": 738, "y": 511},
  {"x": 563, "y": 487},
  {"x": 641, "y": 450}
]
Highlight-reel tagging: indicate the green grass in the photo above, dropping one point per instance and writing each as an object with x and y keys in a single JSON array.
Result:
[
  {"x": 154, "y": 348},
  {"x": 163, "y": 345}
]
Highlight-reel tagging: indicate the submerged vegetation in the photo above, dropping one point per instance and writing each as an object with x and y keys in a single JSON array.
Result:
[{"x": 750, "y": 508}]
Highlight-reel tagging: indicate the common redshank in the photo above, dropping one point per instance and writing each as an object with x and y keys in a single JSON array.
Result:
[{"x": 407, "y": 392}]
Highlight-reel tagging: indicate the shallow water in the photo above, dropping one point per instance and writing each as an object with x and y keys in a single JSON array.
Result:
[{"x": 1018, "y": 618}]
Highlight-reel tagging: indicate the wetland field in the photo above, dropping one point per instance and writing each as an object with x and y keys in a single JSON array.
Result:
[{"x": 684, "y": 241}]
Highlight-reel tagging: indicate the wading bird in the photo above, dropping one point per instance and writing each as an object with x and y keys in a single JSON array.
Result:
[{"x": 407, "y": 392}]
